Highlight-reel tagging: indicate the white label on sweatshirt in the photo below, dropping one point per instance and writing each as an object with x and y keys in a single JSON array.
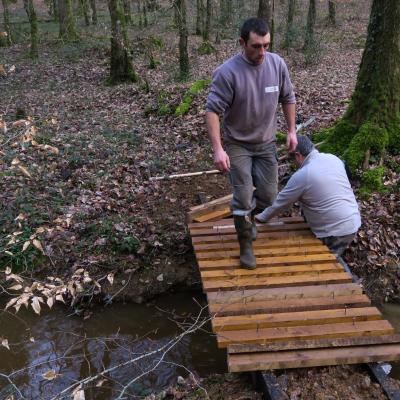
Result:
[{"x": 271, "y": 89}]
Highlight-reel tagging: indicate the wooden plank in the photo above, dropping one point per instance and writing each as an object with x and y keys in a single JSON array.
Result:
[
  {"x": 271, "y": 271},
  {"x": 340, "y": 330},
  {"x": 278, "y": 260},
  {"x": 272, "y": 281},
  {"x": 313, "y": 344},
  {"x": 313, "y": 358},
  {"x": 230, "y": 229},
  {"x": 299, "y": 292},
  {"x": 290, "y": 305},
  {"x": 206, "y": 208},
  {"x": 224, "y": 238},
  {"x": 229, "y": 221},
  {"x": 301, "y": 318},
  {"x": 214, "y": 215},
  {"x": 284, "y": 251},
  {"x": 295, "y": 241}
]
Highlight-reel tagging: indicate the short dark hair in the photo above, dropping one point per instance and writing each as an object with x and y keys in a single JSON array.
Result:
[
  {"x": 304, "y": 145},
  {"x": 256, "y": 25}
]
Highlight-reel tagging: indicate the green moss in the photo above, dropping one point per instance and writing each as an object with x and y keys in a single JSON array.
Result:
[
  {"x": 206, "y": 48},
  {"x": 369, "y": 136},
  {"x": 280, "y": 137},
  {"x": 198, "y": 86},
  {"x": 184, "y": 107},
  {"x": 372, "y": 181},
  {"x": 194, "y": 89}
]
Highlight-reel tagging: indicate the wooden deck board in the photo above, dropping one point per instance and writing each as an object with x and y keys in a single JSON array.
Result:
[{"x": 298, "y": 308}]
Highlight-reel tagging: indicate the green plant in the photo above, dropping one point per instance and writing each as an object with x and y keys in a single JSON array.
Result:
[{"x": 206, "y": 48}]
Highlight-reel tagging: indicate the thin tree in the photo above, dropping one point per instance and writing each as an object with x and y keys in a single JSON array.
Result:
[
  {"x": 85, "y": 10},
  {"x": 199, "y": 16},
  {"x": 332, "y": 12},
  {"x": 94, "y": 11},
  {"x": 311, "y": 17},
  {"x": 7, "y": 27},
  {"x": 31, "y": 13},
  {"x": 207, "y": 28},
  {"x": 127, "y": 11},
  {"x": 180, "y": 6},
  {"x": 67, "y": 21},
  {"x": 289, "y": 24},
  {"x": 371, "y": 123},
  {"x": 265, "y": 12},
  {"x": 121, "y": 68},
  {"x": 55, "y": 9}
]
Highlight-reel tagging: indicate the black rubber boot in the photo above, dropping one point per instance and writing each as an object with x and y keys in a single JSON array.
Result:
[{"x": 244, "y": 229}]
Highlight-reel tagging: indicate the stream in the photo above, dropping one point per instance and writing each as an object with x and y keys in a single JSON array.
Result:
[
  {"x": 48, "y": 353},
  {"x": 72, "y": 348}
]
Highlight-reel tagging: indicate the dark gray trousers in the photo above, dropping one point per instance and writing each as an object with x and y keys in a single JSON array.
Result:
[{"x": 252, "y": 165}]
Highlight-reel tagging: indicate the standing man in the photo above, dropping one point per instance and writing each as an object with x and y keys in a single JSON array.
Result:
[
  {"x": 245, "y": 91},
  {"x": 325, "y": 195}
]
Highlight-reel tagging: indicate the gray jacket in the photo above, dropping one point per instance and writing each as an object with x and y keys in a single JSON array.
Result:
[
  {"x": 325, "y": 195},
  {"x": 247, "y": 96}
]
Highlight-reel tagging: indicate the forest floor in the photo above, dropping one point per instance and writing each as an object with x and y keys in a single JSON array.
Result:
[{"x": 75, "y": 184}]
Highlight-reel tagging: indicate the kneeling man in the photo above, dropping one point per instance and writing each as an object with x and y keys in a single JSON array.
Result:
[{"x": 324, "y": 192}]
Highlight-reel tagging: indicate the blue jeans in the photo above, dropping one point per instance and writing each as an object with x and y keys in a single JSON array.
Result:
[{"x": 252, "y": 165}]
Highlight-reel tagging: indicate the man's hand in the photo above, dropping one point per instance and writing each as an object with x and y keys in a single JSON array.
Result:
[
  {"x": 221, "y": 160},
  {"x": 291, "y": 141}
]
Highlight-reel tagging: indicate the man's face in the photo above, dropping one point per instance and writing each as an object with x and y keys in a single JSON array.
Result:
[{"x": 256, "y": 47}]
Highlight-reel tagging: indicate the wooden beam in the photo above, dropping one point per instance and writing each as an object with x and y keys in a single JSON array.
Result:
[
  {"x": 313, "y": 344},
  {"x": 207, "y": 208},
  {"x": 291, "y": 270},
  {"x": 291, "y": 305},
  {"x": 263, "y": 252},
  {"x": 295, "y": 292},
  {"x": 339, "y": 330},
  {"x": 278, "y": 260},
  {"x": 300, "y": 318},
  {"x": 280, "y": 281},
  {"x": 313, "y": 358}
]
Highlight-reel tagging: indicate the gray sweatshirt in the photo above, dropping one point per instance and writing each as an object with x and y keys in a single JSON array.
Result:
[
  {"x": 327, "y": 199},
  {"x": 247, "y": 96}
]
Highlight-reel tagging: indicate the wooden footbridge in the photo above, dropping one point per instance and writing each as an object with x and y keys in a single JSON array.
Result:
[{"x": 299, "y": 308}]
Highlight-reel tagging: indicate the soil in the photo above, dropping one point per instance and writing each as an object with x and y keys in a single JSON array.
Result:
[{"x": 97, "y": 205}]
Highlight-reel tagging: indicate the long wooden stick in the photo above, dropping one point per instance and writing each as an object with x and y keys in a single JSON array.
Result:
[
  {"x": 160, "y": 178},
  {"x": 216, "y": 171}
]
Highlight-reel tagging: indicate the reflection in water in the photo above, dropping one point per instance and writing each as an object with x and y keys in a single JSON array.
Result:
[{"x": 75, "y": 348}]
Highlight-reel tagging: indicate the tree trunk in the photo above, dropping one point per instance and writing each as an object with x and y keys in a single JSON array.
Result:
[
  {"x": 289, "y": 26},
  {"x": 145, "y": 21},
  {"x": 372, "y": 120},
  {"x": 30, "y": 11},
  {"x": 127, "y": 11},
  {"x": 67, "y": 22},
  {"x": 94, "y": 11},
  {"x": 265, "y": 10},
  {"x": 7, "y": 40},
  {"x": 85, "y": 10},
  {"x": 180, "y": 6},
  {"x": 206, "y": 32},
  {"x": 199, "y": 16},
  {"x": 121, "y": 69},
  {"x": 311, "y": 17},
  {"x": 332, "y": 12},
  {"x": 55, "y": 10}
]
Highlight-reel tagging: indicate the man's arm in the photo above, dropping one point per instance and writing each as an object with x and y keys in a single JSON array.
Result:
[
  {"x": 290, "y": 194},
  {"x": 221, "y": 159},
  {"x": 289, "y": 111}
]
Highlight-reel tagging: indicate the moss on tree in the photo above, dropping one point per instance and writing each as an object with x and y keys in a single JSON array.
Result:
[{"x": 371, "y": 124}]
